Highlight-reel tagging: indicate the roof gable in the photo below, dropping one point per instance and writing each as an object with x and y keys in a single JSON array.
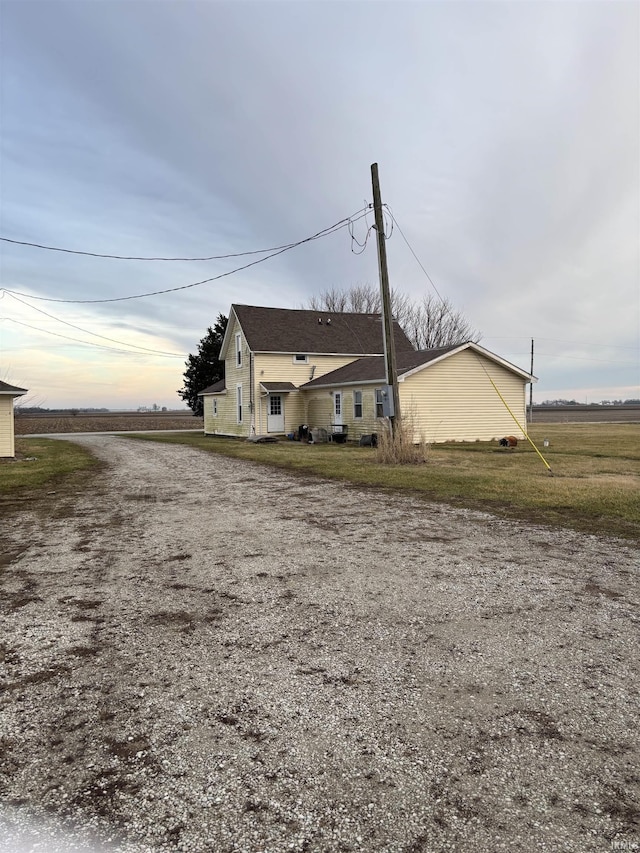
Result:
[
  {"x": 372, "y": 369},
  {"x": 284, "y": 330}
]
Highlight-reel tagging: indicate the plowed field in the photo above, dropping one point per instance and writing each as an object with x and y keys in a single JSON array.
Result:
[{"x": 105, "y": 422}]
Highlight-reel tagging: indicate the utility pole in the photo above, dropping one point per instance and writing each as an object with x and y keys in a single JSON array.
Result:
[
  {"x": 531, "y": 388},
  {"x": 387, "y": 318}
]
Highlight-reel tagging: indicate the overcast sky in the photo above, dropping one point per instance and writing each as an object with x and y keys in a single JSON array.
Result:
[{"x": 507, "y": 137}]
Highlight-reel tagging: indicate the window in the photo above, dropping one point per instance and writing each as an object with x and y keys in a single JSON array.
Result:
[
  {"x": 300, "y": 358},
  {"x": 215, "y": 407},
  {"x": 275, "y": 404},
  {"x": 239, "y": 399},
  {"x": 357, "y": 404},
  {"x": 238, "y": 351},
  {"x": 379, "y": 411}
]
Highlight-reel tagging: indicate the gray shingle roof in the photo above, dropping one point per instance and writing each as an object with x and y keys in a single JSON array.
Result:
[
  {"x": 216, "y": 388},
  {"x": 278, "y": 386},
  {"x": 372, "y": 369},
  {"x": 299, "y": 331},
  {"x": 12, "y": 390}
]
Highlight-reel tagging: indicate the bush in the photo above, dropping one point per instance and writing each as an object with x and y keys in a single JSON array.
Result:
[{"x": 398, "y": 447}]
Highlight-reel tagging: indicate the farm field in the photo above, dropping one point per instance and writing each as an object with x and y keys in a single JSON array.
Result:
[
  {"x": 46, "y": 424},
  {"x": 586, "y": 414}
]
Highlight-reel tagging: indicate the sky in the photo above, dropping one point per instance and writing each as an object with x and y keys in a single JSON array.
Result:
[{"x": 508, "y": 141}]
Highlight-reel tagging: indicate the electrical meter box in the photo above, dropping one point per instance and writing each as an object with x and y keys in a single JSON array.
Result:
[{"x": 388, "y": 409}]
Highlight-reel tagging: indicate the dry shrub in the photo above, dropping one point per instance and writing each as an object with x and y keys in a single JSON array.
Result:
[{"x": 398, "y": 447}]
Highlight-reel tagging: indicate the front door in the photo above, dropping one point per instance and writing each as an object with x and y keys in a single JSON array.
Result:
[
  {"x": 275, "y": 413},
  {"x": 337, "y": 409}
]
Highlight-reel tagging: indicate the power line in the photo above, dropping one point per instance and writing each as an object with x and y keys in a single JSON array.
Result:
[
  {"x": 332, "y": 229},
  {"x": 395, "y": 221},
  {"x": 95, "y": 334},
  {"x": 558, "y": 341},
  {"x": 84, "y": 343},
  {"x": 585, "y": 358},
  {"x": 143, "y": 257}
]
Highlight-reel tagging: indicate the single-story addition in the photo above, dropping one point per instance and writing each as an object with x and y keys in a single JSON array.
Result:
[
  {"x": 461, "y": 392},
  {"x": 285, "y": 368},
  {"x": 7, "y": 432}
]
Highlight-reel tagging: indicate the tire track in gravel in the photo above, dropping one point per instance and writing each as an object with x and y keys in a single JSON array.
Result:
[{"x": 206, "y": 654}]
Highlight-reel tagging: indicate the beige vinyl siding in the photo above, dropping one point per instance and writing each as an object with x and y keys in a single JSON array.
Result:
[
  {"x": 213, "y": 423},
  {"x": 320, "y": 410},
  {"x": 226, "y": 422},
  {"x": 280, "y": 367},
  {"x": 7, "y": 446},
  {"x": 454, "y": 400}
]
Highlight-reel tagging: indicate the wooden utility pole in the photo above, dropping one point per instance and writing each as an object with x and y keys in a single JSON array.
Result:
[
  {"x": 387, "y": 318},
  {"x": 531, "y": 388}
]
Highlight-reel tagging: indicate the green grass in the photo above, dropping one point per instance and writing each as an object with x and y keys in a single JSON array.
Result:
[
  {"x": 594, "y": 487},
  {"x": 42, "y": 461}
]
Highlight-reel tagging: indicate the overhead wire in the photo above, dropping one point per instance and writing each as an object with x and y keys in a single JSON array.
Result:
[
  {"x": 354, "y": 239},
  {"x": 144, "y": 257},
  {"x": 559, "y": 341},
  {"x": 84, "y": 343},
  {"x": 420, "y": 264},
  {"x": 325, "y": 232},
  {"x": 88, "y": 332}
]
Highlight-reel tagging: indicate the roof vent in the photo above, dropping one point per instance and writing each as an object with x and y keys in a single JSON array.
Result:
[
  {"x": 328, "y": 321},
  {"x": 320, "y": 320}
]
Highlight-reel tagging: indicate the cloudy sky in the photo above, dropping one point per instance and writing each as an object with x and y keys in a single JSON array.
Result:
[{"x": 507, "y": 137}]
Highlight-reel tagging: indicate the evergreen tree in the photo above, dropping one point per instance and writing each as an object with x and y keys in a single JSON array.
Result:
[{"x": 204, "y": 368}]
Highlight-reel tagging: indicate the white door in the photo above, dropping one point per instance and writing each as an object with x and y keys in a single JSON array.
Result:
[
  {"x": 275, "y": 413},
  {"x": 337, "y": 408}
]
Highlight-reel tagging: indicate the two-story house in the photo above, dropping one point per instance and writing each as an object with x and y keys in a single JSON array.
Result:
[
  {"x": 269, "y": 353},
  {"x": 284, "y": 368}
]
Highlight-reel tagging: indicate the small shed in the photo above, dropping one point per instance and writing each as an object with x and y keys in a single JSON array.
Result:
[{"x": 7, "y": 434}]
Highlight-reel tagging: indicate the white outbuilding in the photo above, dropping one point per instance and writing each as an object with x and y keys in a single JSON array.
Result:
[{"x": 8, "y": 393}]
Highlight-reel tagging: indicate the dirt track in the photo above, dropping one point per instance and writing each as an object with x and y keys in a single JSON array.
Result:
[{"x": 205, "y": 655}]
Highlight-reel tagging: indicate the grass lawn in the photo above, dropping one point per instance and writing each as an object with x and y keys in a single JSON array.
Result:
[
  {"x": 595, "y": 485},
  {"x": 41, "y": 461}
]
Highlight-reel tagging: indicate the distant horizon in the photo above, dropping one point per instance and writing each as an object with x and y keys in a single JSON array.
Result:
[{"x": 185, "y": 409}]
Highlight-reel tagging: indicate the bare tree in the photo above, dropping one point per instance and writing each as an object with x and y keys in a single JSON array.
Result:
[{"x": 428, "y": 324}]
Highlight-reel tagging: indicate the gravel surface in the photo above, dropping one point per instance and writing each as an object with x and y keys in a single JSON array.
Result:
[{"x": 202, "y": 654}]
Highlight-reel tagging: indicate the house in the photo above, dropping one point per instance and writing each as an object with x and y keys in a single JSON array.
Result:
[
  {"x": 270, "y": 352},
  {"x": 7, "y": 433},
  {"x": 284, "y": 368},
  {"x": 456, "y": 393}
]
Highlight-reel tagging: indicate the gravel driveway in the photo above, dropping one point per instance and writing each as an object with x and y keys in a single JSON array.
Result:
[{"x": 202, "y": 654}]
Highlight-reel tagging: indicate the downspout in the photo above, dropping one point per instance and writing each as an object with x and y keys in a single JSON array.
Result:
[{"x": 251, "y": 395}]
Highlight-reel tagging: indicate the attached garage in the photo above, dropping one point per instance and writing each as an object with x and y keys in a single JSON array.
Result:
[{"x": 7, "y": 433}]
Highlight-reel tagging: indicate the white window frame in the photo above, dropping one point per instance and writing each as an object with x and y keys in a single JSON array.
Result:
[
  {"x": 215, "y": 407},
  {"x": 238, "y": 349},
  {"x": 272, "y": 399},
  {"x": 300, "y": 358},
  {"x": 239, "y": 411},
  {"x": 378, "y": 402},
  {"x": 357, "y": 417}
]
